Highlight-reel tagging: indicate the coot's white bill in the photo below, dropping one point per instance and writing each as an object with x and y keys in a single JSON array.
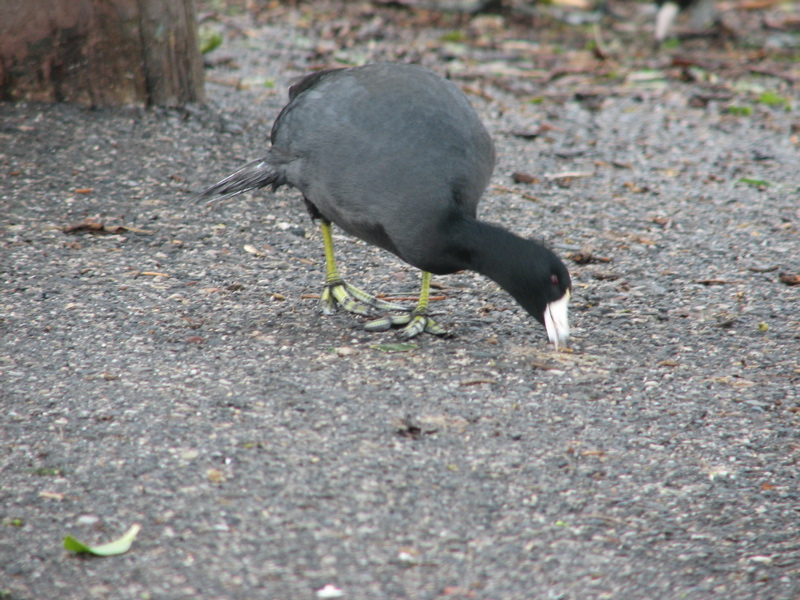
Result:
[{"x": 556, "y": 320}]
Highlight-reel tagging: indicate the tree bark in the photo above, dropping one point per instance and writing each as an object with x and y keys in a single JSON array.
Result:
[{"x": 100, "y": 52}]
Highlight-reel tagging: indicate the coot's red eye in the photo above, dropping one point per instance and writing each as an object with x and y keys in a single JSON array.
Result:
[{"x": 554, "y": 280}]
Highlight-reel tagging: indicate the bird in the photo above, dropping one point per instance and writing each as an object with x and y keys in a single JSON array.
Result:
[
  {"x": 395, "y": 154},
  {"x": 701, "y": 13}
]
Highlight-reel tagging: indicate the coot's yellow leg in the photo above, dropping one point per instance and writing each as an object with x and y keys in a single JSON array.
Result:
[
  {"x": 338, "y": 292},
  {"x": 416, "y": 321}
]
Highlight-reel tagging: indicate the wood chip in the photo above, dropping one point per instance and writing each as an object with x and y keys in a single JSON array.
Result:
[
  {"x": 152, "y": 274},
  {"x": 716, "y": 281},
  {"x": 763, "y": 269},
  {"x": 477, "y": 381},
  {"x": 51, "y": 495},
  {"x": 544, "y": 366},
  {"x": 593, "y": 453},
  {"x": 524, "y": 178},
  {"x": 569, "y": 175}
]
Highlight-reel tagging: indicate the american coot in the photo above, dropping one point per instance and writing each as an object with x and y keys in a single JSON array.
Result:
[
  {"x": 701, "y": 12},
  {"x": 396, "y": 155}
]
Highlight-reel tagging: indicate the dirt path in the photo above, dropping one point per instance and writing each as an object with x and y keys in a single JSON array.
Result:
[{"x": 172, "y": 369}]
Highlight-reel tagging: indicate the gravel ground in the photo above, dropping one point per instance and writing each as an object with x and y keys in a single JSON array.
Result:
[{"x": 170, "y": 369}]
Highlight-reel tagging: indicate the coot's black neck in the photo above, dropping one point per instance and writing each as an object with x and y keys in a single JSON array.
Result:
[{"x": 521, "y": 267}]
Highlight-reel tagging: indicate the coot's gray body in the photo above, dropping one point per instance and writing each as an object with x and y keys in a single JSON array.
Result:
[{"x": 391, "y": 172}]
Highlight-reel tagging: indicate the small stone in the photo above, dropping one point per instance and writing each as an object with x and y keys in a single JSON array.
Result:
[{"x": 330, "y": 591}]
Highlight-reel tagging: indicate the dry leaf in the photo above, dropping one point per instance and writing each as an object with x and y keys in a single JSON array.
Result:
[
  {"x": 790, "y": 279},
  {"x": 215, "y": 476},
  {"x": 93, "y": 226}
]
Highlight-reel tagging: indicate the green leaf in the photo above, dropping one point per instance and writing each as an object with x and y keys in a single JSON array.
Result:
[
  {"x": 119, "y": 546},
  {"x": 400, "y": 347},
  {"x": 209, "y": 39},
  {"x": 754, "y": 182},
  {"x": 740, "y": 111},
  {"x": 453, "y": 36},
  {"x": 775, "y": 100},
  {"x": 46, "y": 472}
]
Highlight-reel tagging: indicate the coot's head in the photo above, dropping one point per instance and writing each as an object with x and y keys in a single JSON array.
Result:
[{"x": 544, "y": 289}]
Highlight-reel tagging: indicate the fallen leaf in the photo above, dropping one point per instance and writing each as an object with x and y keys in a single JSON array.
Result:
[
  {"x": 408, "y": 427},
  {"x": 775, "y": 100},
  {"x": 208, "y": 39},
  {"x": 754, "y": 4},
  {"x": 250, "y": 249},
  {"x": 544, "y": 366},
  {"x": 605, "y": 276},
  {"x": 736, "y": 382},
  {"x": 790, "y": 279},
  {"x": 593, "y": 453},
  {"x": 215, "y": 476},
  {"x": 636, "y": 189},
  {"x": 398, "y": 347},
  {"x": 586, "y": 256},
  {"x": 476, "y": 381},
  {"x": 119, "y": 546},
  {"x": 715, "y": 281},
  {"x": 93, "y": 226},
  {"x": 756, "y": 183},
  {"x": 452, "y": 590}
]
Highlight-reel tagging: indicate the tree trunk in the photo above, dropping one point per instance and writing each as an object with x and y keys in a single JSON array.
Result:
[{"x": 100, "y": 52}]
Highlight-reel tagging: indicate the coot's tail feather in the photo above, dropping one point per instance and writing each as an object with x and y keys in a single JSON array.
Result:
[{"x": 259, "y": 173}]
